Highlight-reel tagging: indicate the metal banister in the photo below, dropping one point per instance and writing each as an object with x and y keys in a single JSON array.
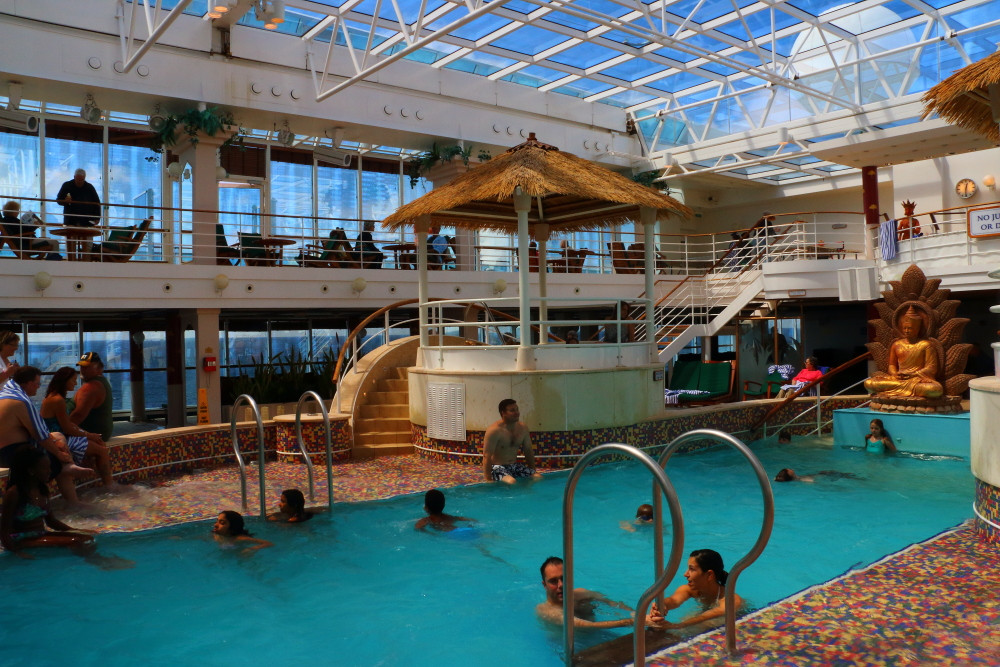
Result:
[
  {"x": 329, "y": 447},
  {"x": 762, "y": 538},
  {"x": 659, "y": 478},
  {"x": 246, "y": 398}
]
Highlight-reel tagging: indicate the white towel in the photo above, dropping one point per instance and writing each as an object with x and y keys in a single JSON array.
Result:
[{"x": 887, "y": 239}]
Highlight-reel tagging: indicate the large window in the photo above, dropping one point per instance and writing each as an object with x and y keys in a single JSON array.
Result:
[{"x": 69, "y": 147}]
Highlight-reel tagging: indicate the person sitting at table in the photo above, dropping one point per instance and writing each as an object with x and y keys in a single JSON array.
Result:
[
  {"x": 365, "y": 250},
  {"x": 20, "y": 232}
]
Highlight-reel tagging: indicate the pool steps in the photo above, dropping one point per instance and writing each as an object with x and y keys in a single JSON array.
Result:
[{"x": 383, "y": 425}]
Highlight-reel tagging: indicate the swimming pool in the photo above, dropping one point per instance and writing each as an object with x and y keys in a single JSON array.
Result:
[{"x": 362, "y": 587}]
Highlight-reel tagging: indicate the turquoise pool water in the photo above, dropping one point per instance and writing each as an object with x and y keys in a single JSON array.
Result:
[{"x": 361, "y": 587}]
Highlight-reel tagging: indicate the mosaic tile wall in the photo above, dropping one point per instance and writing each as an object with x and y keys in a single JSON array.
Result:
[
  {"x": 988, "y": 505},
  {"x": 314, "y": 436},
  {"x": 552, "y": 447}
]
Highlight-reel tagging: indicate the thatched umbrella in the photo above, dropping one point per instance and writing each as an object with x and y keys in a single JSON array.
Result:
[
  {"x": 969, "y": 98},
  {"x": 535, "y": 189}
]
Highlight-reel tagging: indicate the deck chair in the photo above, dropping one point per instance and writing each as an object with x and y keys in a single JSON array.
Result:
[
  {"x": 224, "y": 253},
  {"x": 332, "y": 254},
  {"x": 619, "y": 257},
  {"x": 766, "y": 389},
  {"x": 637, "y": 257},
  {"x": 21, "y": 246},
  {"x": 252, "y": 251},
  {"x": 121, "y": 244},
  {"x": 574, "y": 262}
]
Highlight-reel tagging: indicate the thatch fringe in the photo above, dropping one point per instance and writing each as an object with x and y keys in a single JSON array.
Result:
[
  {"x": 962, "y": 98},
  {"x": 575, "y": 194}
]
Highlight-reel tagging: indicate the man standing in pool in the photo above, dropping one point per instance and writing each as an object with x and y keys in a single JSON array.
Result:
[
  {"x": 552, "y": 609},
  {"x": 500, "y": 446}
]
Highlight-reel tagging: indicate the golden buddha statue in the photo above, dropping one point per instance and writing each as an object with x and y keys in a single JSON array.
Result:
[
  {"x": 916, "y": 348},
  {"x": 913, "y": 363}
]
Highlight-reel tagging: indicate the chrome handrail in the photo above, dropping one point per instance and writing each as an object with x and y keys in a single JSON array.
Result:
[
  {"x": 762, "y": 538},
  {"x": 302, "y": 445},
  {"x": 677, "y": 520},
  {"x": 246, "y": 398},
  {"x": 818, "y": 406}
]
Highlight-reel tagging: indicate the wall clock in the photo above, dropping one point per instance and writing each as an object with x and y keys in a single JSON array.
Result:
[{"x": 965, "y": 188}]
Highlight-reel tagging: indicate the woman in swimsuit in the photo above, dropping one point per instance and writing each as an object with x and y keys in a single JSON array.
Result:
[
  {"x": 229, "y": 529},
  {"x": 706, "y": 582},
  {"x": 26, "y": 512},
  {"x": 56, "y": 416},
  {"x": 9, "y": 342},
  {"x": 878, "y": 441}
]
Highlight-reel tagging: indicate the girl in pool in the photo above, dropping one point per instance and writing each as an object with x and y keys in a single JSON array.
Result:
[
  {"x": 291, "y": 508},
  {"x": 706, "y": 582},
  {"x": 26, "y": 515},
  {"x": 878, "y": 441},
  {"x": 230, "y": 530},
  {"x": 56, "y": 416}
]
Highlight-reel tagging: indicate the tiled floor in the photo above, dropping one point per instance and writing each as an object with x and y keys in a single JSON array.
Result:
[{"x": 937, "y": 603}]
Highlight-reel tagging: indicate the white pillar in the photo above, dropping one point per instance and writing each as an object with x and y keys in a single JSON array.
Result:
[
  {"x": 204, "y": 196},
  {"x": 420, "y": 227},
  {"x": 206, "y": 335},
  {"x": 647, "y": 216},
  {"x": 525, "y": 354},
  {"x": 542, "y": 236}
]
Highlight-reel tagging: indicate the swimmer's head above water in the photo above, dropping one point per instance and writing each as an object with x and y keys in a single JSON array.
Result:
[
  {"x": 434, "y": 502},
  {"x": 644, "y": 513},
  {"x": 229, "y": 524},
  {"x": 785, "y": 475}
]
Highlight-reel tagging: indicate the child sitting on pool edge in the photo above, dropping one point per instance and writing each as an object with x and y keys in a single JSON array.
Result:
[
  {"x": 436, "y": 518},
  {"x": 229, "y": 529},
  {"x": 291, "y": 508},
  {"x": 643, "y": 517}
]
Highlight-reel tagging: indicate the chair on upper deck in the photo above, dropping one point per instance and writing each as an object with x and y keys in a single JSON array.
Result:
[
  {"x": 334, "y": 253},
  {"x": 619, "y": 258},
  {"x": 252, "y": 250},
  {"x": 121, "y": 244},
  {"x": 224, "y": 253}
]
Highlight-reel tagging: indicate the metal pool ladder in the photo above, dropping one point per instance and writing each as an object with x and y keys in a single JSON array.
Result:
[
  {"x": 661, "y": 483},
  {"x": 302, "y": 445},
  {"x": 246, "y": 398},
  {"x": 762, "y": 537},
  {"x": 662, "y": 576}
]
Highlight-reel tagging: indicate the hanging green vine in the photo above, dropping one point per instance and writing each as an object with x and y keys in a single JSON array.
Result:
[
  {"x": 648, "y": 178},
  {"x": 420, "y": 164},
  {"x": 209, "y": 121}
]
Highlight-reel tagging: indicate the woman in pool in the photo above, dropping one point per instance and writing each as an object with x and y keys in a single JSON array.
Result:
[
  {"x": 26, "y": 515},
  {"x": 230, "y": 530},
  {"x": 56, "y": 415},
  {"x": 878, "y": 441},
  {"x": 291, "y": 508},
  {"x": 706, "y": 582}
]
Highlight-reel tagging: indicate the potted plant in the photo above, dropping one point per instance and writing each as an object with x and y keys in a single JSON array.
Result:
[
  {"x": 422, "y": 163},
  {"x": 203, "y": 119}
]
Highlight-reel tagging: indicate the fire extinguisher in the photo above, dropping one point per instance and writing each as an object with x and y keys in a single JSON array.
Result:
[{"x": 209, "y": 364}]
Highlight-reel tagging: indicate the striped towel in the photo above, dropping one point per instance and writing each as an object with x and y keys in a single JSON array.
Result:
[
  {"x": 13, "y": 391},
  {"x": 672, "y": 396},
  {"x": 887, "y": 239}
]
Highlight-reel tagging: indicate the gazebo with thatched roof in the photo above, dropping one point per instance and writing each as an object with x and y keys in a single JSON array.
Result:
[{"x": 534, "y": 190}]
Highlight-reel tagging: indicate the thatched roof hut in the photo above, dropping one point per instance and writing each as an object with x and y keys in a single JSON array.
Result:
[
  {"x": 964, "y": 98},
  {"x": 568, "y": 193}
]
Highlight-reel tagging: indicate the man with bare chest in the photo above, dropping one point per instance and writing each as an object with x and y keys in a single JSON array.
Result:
[{"x": 501, "y": 443}]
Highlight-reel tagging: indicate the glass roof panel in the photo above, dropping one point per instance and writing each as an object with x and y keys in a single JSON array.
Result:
[
  {"x": 788, "y": 175},
  {"x": 529, "y": 40},
  {"x": 534, "y": 76},
  {"x": 480, "y": 63},
  {"x": 676, "y": 82},
  {"x": 569, "y": 21},
  {"x": 475, "y": 29},
  {"x": 520, "y": 6},
  {"x": 297, "y": 21},
  {"x": 674, "y": 54},
  {"x": 627, "y": 98},
  {"x": 636, "y": 68},
  {"x": 707, "y": 10},
  {"x": 584, "y": 55},
  {"x": 583, "y": 88},
  {"x": 626, "y": 39},
  {"x": 759, "y": 24}
]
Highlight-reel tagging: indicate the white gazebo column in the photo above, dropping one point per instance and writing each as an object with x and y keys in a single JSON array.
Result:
[
  {"x": 522, "y": 204},
  {"x": 647, "y": 216},
  {"x": 421, "y": 226},
  {"x": 202, "y": 157},
  {"x": 542, "y": 236}
]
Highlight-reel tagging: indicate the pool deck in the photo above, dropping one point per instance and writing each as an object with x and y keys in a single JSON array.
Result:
[{"x": 935, "y": 603}]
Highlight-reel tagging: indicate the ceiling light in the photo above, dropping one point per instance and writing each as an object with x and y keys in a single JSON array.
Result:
[
  {"x": 276, "y": 13},
  {"x": 214, "y": 14},
  {"x": 220, "y": 7},
  {"x": 271, "y": 26}
]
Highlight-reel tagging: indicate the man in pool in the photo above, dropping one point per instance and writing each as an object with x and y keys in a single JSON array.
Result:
[
  {"x": 500, "y": 446},
  {"x": 552, "y": 609}
]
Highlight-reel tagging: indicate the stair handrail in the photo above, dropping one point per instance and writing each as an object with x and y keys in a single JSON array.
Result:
[
  {"x": 660, "y": 480},
  {"x": 806, "y": 387},
  {"x": 312, "y": 395},
  {"x": 246, "y": 398},
  {"x": 762, "y": 537},
  {"x": 819, "y": 411}
]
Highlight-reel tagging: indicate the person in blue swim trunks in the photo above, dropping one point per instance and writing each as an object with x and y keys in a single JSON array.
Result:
[
  {"x": 436, "y": 518},
  {"x": 501, "y": 443},
  {"x": 878, "y": 441}
]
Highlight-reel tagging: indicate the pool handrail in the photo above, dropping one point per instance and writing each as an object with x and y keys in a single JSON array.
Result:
[
  {"x": 762, "y": 538},
  {"x": 806, "y": 387},
  {"x": 302, "y": 445},
  {"x": 246, "y": 398},
  {"x": 818, "y": 407},
  {"x": 677, "y": 520}
]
